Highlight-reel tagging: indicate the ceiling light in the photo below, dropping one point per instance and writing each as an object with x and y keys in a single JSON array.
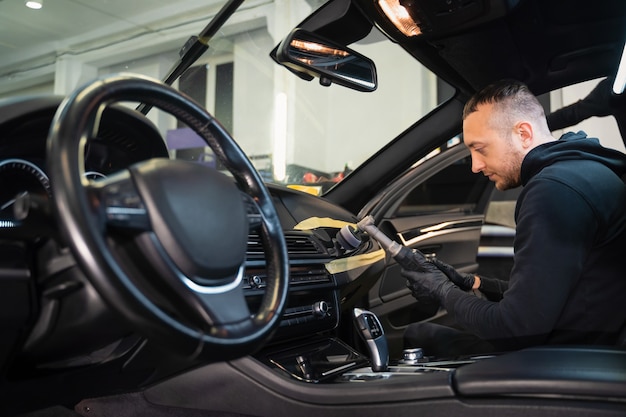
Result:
[
  {"x": 400, "y": 17},
  {"x": 32, "y": 4},
  {"x": 620, "y": 78}
]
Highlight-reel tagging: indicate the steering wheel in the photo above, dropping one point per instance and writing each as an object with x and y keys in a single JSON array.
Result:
[{"x": 164, "y": 241}]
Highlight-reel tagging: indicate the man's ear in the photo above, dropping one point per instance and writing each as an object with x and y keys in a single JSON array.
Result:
[{"x": 525, "y": 132}]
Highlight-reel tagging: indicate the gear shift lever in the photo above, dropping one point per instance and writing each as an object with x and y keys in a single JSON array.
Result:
[{"x": 372, "y": 333}]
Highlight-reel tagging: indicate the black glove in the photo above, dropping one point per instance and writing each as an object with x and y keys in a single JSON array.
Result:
[
  {"x": 493, "y": 288},
  {"x": 464, "y": 281},
  {"x": 597, "y": 103},
  {"x": 428, "y": 278}
]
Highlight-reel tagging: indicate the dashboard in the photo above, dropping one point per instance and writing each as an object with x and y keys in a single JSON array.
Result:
[{"x": 53, "y": 320}]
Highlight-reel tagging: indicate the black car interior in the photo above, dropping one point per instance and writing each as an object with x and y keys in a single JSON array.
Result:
[{"x": 96, "y": 320}]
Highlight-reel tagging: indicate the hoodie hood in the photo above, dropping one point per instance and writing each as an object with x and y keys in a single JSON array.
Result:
[{"x": 572, "y": 146}]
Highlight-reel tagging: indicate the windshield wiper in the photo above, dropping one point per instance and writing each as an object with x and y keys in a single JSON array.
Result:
[{"x": 196, "y": 46}]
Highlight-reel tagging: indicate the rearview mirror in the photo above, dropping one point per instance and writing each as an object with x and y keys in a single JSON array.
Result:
[{"x": 307, "y": 53}]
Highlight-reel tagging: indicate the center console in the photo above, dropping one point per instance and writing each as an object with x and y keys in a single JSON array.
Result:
[{"x": 329, "y": 360}]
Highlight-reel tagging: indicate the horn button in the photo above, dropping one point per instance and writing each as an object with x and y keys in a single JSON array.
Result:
[{"x": 198, "y": 216}]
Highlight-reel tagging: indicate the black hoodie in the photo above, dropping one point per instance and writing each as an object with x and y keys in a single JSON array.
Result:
[{"x": 568, "y": 282}]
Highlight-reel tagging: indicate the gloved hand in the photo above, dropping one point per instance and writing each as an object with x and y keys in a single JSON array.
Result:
[
  {"x": 427, "y": 278},
  {"x": 464, "y": 281}
]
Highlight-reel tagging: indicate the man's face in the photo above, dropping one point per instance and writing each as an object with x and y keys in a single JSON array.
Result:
[{"x": 496, "y": 152}]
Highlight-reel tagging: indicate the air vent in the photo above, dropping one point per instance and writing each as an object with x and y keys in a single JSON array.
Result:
[
  {"x": 255, "y": 247},
  {"x": 297, "y": 246}
]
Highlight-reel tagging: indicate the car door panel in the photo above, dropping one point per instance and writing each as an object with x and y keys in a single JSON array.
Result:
[{"x": 452, "y": 245}]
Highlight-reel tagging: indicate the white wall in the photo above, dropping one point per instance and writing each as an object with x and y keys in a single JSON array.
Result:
[{"x": 253, "y": 90}]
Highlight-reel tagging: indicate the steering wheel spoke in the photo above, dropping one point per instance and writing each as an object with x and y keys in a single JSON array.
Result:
[
  {"x": 122, "y": 206},
  {"x": 227, "y": 307}
]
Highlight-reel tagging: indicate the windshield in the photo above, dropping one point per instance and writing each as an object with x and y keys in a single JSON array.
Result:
[
  {"x": 296, "y": 132},
  {"x": 299, "y": 132}
]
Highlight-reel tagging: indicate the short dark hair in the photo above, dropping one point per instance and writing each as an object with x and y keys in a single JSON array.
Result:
[{"x": 514, "y": 95}]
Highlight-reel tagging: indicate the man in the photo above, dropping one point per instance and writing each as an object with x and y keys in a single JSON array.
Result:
[{"x": 568, "y": 282}]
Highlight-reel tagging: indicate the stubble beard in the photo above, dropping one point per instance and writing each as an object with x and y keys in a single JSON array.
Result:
[{"x": 511, "y": 172}]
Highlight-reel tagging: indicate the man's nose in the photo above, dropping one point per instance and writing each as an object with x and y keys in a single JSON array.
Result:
[{"x": 477, "y": 165}]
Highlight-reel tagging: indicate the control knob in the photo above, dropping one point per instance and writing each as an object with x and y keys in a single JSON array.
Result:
[
  {"x": 255, "y": 281},
  {"x": 320, "y": 308},
  {"x": 412, "y": 356}
]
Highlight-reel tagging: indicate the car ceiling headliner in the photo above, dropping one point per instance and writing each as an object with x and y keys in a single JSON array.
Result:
[{"x": 545, "y": 43}]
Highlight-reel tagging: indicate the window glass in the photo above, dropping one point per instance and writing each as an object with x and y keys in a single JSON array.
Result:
[
  {"x": 299, "y": 133},
  {"x": 455, "y": 188}
]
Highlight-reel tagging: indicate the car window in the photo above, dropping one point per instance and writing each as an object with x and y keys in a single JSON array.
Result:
[
  {"x": 454, "y": 188},
  {"x": 299, "y": 133}
]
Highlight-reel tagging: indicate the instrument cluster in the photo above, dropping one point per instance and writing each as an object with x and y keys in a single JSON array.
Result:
[{"x": 124, "y": 137}]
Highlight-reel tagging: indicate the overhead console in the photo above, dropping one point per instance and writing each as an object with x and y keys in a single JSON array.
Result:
[
  {"x": 401, "y": 19},
  {"x": 433, "y": 18}
]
